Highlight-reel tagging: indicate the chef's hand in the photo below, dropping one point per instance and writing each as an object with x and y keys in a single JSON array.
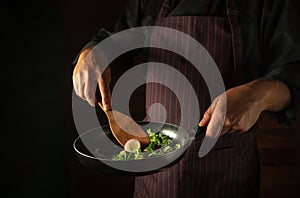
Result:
[
  {"x": 87, "y": 75},
  {"x": 244, "y": 106}
]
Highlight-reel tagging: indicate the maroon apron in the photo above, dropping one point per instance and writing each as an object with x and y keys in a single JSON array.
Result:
[{"x": 231, "y": 168}]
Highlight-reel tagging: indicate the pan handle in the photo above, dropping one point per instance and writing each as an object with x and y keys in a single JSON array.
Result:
[{"x": 198, "y": 132}]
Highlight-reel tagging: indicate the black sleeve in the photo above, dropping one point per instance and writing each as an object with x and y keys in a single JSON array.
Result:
[
  {"x": 135, "y": 13},
  {"x": 130, "y": 17},
  {"x": 281, "y": 47}
]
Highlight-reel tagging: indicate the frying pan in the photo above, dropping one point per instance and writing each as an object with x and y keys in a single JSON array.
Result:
[{"x": 95, "y": 148}]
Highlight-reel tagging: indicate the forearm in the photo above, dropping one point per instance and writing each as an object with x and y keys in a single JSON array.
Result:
[{"x": 270, "y": 94}]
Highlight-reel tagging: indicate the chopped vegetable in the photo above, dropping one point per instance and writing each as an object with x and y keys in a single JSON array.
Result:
[
  {"x": 132, "y": 146},
  {"x": 157, "y": 140},
  {"x": 159, "y": 144},
  {"x": 124, "y": 155}
]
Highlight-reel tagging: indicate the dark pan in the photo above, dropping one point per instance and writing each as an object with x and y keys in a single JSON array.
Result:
[{"x": 101, "y": 139}]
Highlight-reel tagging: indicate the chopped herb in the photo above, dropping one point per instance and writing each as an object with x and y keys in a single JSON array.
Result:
[{"x": 159, "y": 144}]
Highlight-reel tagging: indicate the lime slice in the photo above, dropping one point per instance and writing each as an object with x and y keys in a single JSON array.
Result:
[{"x": 132, "y": 145}]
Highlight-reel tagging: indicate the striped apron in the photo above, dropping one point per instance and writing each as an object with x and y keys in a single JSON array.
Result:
[{"x": 231, "y": 168}]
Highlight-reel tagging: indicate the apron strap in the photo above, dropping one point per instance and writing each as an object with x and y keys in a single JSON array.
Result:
[
  {"x": 233, "y": 12},
  {"x": 233, "y": 7}
]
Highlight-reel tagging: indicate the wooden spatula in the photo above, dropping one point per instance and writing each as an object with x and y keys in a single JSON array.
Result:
[{"x": 125, "y": 128}]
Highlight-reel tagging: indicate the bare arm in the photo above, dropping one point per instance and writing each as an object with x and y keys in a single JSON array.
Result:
[{"x": 245, "y": 104}]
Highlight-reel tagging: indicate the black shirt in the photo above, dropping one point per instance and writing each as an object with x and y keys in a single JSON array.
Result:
[{"x": 270, "y": 31}]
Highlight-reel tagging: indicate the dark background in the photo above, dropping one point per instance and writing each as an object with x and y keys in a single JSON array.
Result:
[{"x": 40, "y": 41}]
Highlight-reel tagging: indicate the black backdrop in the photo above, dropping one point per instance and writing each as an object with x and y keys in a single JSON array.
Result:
[{"x": 40, "y": 39}]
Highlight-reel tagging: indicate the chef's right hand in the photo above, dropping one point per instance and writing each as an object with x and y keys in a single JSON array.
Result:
[{"x": 87, "y": 75}]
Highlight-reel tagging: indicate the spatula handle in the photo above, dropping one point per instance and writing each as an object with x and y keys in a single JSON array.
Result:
[
  {"x": 107, "y": 112},
  {"x": 100, "y": 105}
]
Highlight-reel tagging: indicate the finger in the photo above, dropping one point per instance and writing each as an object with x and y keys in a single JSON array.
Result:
[
  {"x": 217, "y": 118},
  {"x": 80, "y": 90},
  {"x": 79, "y": 86},
  {"x": 105, "y": 93},
  {"x": 213, "y": 130},
  {"x": 76, "y": 76},
  {"x": 206, "y": 117},
  {"x": 75, "y": 84},
  {"x": 214, "y": 126},
  {"x": 89, "y": 92}
]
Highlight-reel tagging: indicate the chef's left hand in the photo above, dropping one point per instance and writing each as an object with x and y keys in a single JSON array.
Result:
[{"x": 244, "y": 105}]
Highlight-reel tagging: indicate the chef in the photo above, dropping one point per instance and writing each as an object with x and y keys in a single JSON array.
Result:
[{"x": 255, "y": 45}]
